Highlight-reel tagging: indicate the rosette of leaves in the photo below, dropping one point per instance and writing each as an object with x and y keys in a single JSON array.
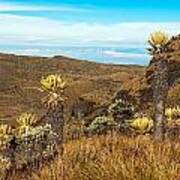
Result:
[
  {"x": 27, "y": 119},
  {"x": 101, "y": 124},
  {"x": 54, "y": 85},
  {"x": 158, "y": 40},
  {"x": 142, "y": 125}
]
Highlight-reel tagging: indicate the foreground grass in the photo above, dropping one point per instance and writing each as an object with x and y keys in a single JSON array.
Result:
[{"x": 113, "y": 157}]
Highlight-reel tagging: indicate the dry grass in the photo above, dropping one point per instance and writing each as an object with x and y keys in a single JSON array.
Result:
[{"x": 113, "y": 157}]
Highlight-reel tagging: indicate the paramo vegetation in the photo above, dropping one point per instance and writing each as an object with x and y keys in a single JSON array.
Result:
[{"x": 120, "y": 140}]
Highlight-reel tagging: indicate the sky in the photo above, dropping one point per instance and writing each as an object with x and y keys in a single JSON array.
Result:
[{"x": 86, "y": 22}]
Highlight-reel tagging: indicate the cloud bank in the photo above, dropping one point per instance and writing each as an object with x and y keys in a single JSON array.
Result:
[
  {"x": 37, "y": 30},
  {"x": 20, "y": 7}
]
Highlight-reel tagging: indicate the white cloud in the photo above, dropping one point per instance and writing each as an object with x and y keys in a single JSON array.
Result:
[
  {"x": 126, "y": 55},
  {"x": 20, "y": 7},
  {"x": 23, "y": 29}
]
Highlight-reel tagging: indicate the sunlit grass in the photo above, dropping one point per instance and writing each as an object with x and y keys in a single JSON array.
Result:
[{"x": 114, "y": 157}]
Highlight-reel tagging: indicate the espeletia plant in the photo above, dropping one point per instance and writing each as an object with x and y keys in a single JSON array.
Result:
[
  {"x": 54, "y": 86},
  {"x": 141, "y": 125},
  {"x": 158, "y": 77}
]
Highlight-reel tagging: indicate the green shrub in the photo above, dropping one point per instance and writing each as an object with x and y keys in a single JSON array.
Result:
[{"x": 101, "y": 124}]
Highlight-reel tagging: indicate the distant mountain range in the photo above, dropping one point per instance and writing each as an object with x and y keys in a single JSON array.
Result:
[{"x": 108, "y": 54}]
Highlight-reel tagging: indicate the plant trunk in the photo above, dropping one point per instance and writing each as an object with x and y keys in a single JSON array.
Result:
[
  {"x": 55, "y": 116},
  {"x": 160, "y": 91}
]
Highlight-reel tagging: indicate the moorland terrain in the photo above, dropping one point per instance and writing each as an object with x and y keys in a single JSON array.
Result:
[{"x": 91, "y": 89}]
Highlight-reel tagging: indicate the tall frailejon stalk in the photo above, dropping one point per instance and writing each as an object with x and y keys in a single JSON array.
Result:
[
  {"x": 54, "y": 102},
  {"x": 159, "y": 77}
]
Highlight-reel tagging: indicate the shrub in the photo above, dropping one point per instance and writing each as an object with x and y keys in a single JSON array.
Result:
[
  {"x": 101, "y": 124},
  {"x": 34, "y": 144},
  {"x": 121, "y": 110}
]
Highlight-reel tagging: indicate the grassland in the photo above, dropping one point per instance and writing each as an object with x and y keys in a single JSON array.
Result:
[{"x": 113, "y": 157}]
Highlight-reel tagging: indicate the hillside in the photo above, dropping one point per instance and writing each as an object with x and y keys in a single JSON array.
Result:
[{"x": 90, "y": 85}]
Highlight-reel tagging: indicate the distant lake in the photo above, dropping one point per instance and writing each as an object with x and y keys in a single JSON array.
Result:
[{"x": 107, "y": 54}]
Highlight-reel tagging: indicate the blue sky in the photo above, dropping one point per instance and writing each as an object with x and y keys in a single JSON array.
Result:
[
  {"x": 86, "y": 22},
  {"x": 102, "y": 11}
]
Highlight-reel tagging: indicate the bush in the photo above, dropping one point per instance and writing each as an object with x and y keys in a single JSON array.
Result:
[
  {"x": 101, "y": 124},
  {"x": 121, "y": 110}
]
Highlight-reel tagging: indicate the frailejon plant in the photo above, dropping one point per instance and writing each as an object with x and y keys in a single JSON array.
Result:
[
  {"x": 142, "y": 125},
  {"x": 54, "y": 85},
  {"x": 162, "y": 73},
  {"x": 159, "y": 80},
  {"x": 158, "y": 39}
]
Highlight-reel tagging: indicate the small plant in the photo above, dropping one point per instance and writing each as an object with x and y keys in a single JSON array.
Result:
[
  {"x": 158, "y": 39},
  {"x": 101, "y": 124},
  {"x": 142, "y": 125}
]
